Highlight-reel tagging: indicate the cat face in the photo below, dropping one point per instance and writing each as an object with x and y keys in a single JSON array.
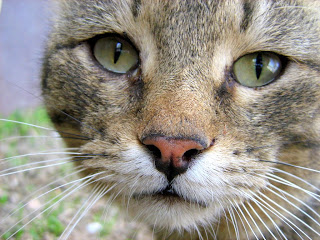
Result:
[{"x": 191, "y": 111}]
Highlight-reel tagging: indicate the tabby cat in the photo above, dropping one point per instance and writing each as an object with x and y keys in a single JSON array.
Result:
[{"x": 199, "y": 118}]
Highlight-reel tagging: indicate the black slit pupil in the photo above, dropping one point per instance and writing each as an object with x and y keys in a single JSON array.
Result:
[
  {"x": 259, "y": 65},
  {"x": 117, "y": 52}
]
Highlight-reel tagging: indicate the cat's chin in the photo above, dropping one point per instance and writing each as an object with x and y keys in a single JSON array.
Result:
[{"x": 172, "y": 212}]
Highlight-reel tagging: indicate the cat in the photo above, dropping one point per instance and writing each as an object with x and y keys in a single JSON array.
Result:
[{"x": 199, "y": 118}]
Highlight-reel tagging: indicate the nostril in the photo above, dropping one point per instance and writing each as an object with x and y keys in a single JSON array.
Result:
[
  {"x": 188, "y": 155},
  {"x": 154, "y": 150}
]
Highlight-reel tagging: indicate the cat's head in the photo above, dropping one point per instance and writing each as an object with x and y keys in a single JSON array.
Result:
[{"x": 187, "y": 107}]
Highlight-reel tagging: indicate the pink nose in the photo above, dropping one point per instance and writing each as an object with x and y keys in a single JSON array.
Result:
[{"x": 172, "y": 156}]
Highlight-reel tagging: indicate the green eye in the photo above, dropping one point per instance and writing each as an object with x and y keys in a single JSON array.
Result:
[
  {"x": 116, "y": 55},
  {"x": 257, "y": 69}
]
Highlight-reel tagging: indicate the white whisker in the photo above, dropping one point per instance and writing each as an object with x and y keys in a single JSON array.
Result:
[
  {"x": 198, "y": 232},
  {"x": 251, "y": 198},
  {"x": 262, "y": 221},
  {"x": 225, "y": 216},
  {"x": 284, "y": 217},
  {"x": 96, "y": 197},
  {"x": 206, "y": 233},
  {"x": 35, "y": 163},
  {"x": 291, "y": 165},
  {"x": 254, "y": 222},
  {"x": 45, "y": 193},
  {"x": 14, "y": 138},
  {"x": 46, "y": 209},
  {"x": 261, "y": 207},
  {"x": 294, "y": 216},
  {"x": 235, "y": 209},
  {"x": 296, "y": 177},
  {"x": 132, "y": 191},
  {"x": 29, "y": 169},
  {"x": 234, "y": 222},
  {"x": 40, "y": 154},
  {"x": 297, "y": 199},
  {"x": 295, "y": 206},
  {"x": 290, "y": 184},
  {"x": 27, "y": 124}
]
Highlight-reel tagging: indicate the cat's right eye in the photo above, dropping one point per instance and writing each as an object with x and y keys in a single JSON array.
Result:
[{"x": 115, "y": 54}]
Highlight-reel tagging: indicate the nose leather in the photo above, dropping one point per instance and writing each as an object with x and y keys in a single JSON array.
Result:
[{"x": 172, "y": 156}]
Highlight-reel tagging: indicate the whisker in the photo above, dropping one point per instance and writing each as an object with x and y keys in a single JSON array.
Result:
[
  {"x": 15, "y": 138},
  {"x": 294, "y": 216},
  {"x": 213, "y": 231},
  {"x": 295, "y": 206},
  {"x": 234, "y": 222},
  {"x": 206, "y": 233},
  {"x": 268, "y": 216},
  {"x": 250, "y": 197},
  {"x": 153, "y": 229},
  {"x": 46, "y": 209},
  {"x": 295, "y": 198},
  {"x": 29, "y": 169},
  {"x": 235, "y": 209},
  {"x": 244, "y": 217},
  {"x": 40, "y": 154},
  {"x": 43, "y": 194},
  {"x": 27, "y": 137},
  {"x": 106, "y": 209},
  {"x": 225, "y": 216},
  {"x": 290, "y": 165},
  {"x": 27, "y": 124},
  {"x": 74, "y": 159},
  {"x": 198, "y": 232},
  {"x": 96, "y": 197},
  {"x": 58, "y": 151},
  {"x": 54, "y": 107},
  {"x": 290, "y": 184},
  {"x": 132, "y": 191},
  {"x": 279, "y": 215},
  {"x": 296, "y": 177},
  {"x": 44, "y": 128},
  {"x": 260, "y": 219}
]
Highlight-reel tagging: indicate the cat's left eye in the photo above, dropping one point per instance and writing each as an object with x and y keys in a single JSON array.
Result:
[
  {"x": 115, "y": 54},
  {"x": 257, "y": 69}
]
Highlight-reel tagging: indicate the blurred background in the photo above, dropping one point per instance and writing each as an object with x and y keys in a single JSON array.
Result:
[
  {"x": 27, "y": 152},
  {"x": 23, "y": 29}
]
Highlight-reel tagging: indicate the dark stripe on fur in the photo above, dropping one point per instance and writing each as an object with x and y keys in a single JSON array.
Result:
[
  {"x": 247, "y": 16},
  {"x": 136, "y": 8}
]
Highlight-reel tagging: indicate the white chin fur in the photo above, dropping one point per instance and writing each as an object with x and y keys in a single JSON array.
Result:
[{"x": 173, "y": 214}]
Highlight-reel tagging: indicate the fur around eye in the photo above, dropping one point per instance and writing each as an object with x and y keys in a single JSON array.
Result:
[
  {"x": 115, "y": 54},
  {"x": 257, "y": 69}
]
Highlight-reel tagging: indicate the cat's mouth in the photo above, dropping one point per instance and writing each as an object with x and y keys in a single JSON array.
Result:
[{"x": 169, "y": 193}]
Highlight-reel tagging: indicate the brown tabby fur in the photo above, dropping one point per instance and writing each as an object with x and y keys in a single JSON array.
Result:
[{"x": 184, "y": 88}]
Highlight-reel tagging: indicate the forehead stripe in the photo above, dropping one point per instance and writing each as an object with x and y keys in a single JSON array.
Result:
[{"x": 136, "y": 8}]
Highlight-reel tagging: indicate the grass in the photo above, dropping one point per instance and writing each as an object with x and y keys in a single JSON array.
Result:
[
  {"x": 11, "y": 142},
  {"x": 18, "y": 139},
  {"x": 36, "y": 117},
  {"x": 4, "y": 199}
]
